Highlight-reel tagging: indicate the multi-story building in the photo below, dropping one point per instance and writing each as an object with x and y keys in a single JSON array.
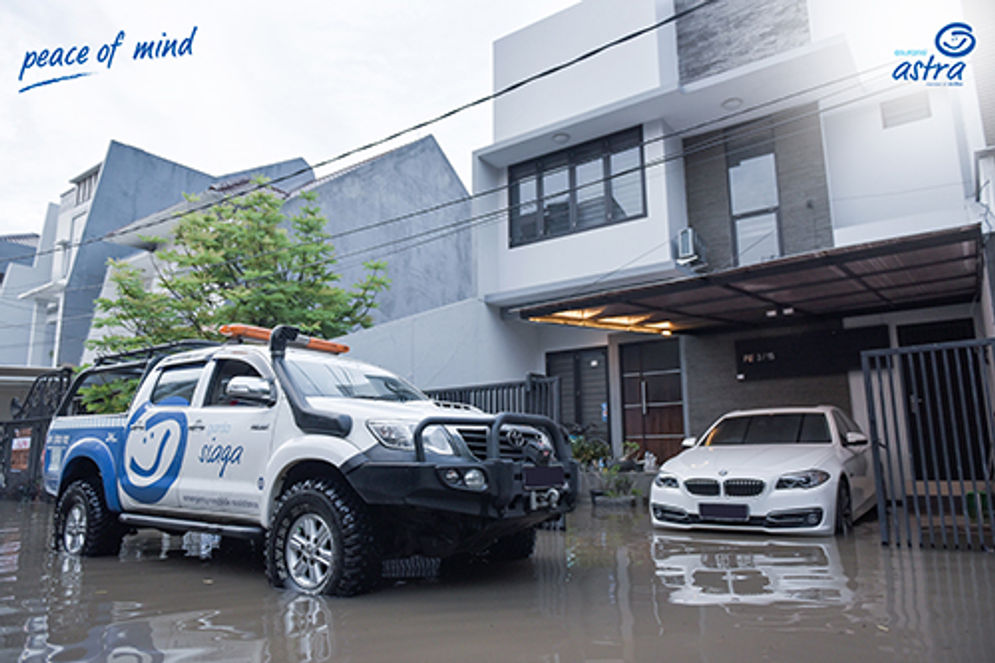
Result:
[
  {"x": 719, "y": 213},
  {"x": 368, "y": 208},
  {"x": 47, "y": 305}
]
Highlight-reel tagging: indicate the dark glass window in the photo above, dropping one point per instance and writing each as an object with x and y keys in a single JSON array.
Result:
[
  {"x": 593, "y": 184},
  {"x": 224, "y": 371},
  {"x": 176, "y": 384},
  {"x": 753, "y": 196},
  {"x": 771, "y": 429}
]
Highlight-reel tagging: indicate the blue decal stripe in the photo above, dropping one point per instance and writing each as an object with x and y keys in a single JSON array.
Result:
[{"x": 54, "y": 80}]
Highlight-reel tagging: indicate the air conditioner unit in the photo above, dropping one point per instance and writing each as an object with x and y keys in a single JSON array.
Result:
[{"x": 687, "y": 249}]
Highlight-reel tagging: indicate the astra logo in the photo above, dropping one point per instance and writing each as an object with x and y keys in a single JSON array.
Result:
[
  {"x": 953, "y": 41},
  {"x": 150, "y": 462}
]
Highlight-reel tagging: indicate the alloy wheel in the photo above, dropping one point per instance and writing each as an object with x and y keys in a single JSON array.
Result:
[
  {"x": 310, "y": 551},
  {"x": 74, "y": 532}
]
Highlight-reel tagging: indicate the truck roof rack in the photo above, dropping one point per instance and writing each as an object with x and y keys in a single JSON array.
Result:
[{"x": 153, "y": 351}]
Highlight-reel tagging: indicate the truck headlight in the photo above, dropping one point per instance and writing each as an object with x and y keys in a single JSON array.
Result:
[
  {"x": 805, "y": 479},
  {"x": 400, "y": 435}
]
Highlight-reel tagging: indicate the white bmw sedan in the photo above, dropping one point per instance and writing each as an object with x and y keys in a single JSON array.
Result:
[{"x": 797, "y": 470}]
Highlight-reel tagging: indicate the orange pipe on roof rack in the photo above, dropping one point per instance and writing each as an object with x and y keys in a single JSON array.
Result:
[{"x": 263, "y": 334}]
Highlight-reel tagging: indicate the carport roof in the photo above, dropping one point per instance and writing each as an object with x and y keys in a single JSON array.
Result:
[{"x": 940, "y": 267}]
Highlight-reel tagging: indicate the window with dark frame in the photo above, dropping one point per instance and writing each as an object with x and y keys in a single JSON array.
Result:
[
  {"x": 594, "y": 184},
  {"x": 753, "y": 196}
]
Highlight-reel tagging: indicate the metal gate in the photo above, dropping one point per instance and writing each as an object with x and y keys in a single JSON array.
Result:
[
  {"x": 930, "y": 410},
  {"x": 537, "y": 394},
  {"x": 22, "y": 440}
]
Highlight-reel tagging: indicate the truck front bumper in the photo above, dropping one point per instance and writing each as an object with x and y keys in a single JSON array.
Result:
[{"x": 511, "y": 490}]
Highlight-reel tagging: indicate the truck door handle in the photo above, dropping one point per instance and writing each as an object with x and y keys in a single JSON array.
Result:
[
  {"x": 137, "y": 427},
  {"x": 197, "y": 425},
  {"x": 259, "y": 427}
]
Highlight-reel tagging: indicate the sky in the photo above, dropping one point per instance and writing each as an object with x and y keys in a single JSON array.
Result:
[{"x": 263, "y": 82}]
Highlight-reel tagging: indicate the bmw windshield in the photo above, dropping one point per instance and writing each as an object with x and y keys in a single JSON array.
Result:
[
  {"x": 330, "y": 378},
  {"x": 794, "y": 428}
]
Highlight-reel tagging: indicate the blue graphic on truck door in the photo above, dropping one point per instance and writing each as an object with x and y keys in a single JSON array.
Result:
[{"x": 150, "y": 461}]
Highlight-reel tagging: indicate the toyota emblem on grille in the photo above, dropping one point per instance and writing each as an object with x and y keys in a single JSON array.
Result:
[{"x": 516, "y": 439}]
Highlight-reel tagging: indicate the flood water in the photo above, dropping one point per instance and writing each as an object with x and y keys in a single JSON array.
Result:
[{"x": 608, "y": 588}]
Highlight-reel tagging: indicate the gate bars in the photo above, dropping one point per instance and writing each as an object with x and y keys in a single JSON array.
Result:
[{"x": 930, "y": 411}]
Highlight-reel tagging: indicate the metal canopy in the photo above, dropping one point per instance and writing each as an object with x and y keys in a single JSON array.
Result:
[{"x": 941, "y": 267}]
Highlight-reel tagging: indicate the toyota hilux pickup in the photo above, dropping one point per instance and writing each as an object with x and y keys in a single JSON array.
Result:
[{"x": 332, "y": 465}]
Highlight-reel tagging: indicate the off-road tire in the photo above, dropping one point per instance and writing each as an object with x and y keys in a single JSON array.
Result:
[
  {"x": 354, "y": 566},
  {"x": 93, "y": 528},
  {"x": 519, "y": 545},
  {"x": 843, "y": 510}
]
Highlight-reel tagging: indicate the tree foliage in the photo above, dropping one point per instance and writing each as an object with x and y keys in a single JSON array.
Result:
[{"x": 241, "y": 260}]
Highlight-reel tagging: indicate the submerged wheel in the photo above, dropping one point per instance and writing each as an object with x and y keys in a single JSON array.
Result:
[
  {"x": 320, "y": 541},
  {"x": 844, "y": 509},
  {"x": 83, "y": 523},
  {"x": 519, "y": 545}
]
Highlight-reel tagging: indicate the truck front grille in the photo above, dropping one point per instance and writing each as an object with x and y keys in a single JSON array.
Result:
[{"x": 476, "y": 441}]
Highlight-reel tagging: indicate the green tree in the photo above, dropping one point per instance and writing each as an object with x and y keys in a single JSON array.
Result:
[{"x": 241, "y": 260}]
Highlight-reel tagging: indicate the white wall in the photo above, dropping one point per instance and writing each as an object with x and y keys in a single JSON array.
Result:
[
  {"x": 463, "y": 344},
  {"x": 618, "y": 73},
  {"x": 895, "y": 181}
]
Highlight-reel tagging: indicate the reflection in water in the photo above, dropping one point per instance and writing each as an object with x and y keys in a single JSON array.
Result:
[
  {"x": 707, "y": 570},
  {"x": 608, "y": 588}
]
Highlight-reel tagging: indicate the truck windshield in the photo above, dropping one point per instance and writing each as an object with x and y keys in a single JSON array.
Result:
[{"x": 317, "y": 378}]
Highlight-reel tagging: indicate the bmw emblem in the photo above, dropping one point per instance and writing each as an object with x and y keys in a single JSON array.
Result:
[{"x": 722, "y": 473}]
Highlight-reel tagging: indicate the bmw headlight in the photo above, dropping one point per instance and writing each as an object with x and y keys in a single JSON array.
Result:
[
  {"x": 665, "y": 481},
  {"x": 806, "y": 479},
  {"x": 400, "y": 435}
]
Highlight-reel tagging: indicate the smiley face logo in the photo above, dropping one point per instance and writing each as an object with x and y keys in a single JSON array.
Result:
[
  {"x": 955, "y": 40},
  {"x": 150, "y": 463}
]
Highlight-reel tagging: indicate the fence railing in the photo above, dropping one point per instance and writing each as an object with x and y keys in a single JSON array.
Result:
[
  {"x": 537, "y": 394},
  {"x": 930, "y": 409}
]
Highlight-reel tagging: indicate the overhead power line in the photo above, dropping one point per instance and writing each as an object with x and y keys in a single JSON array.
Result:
[
  {"x": 412, "y": 128},
  {"x": 491, "y": 216},
  {"x": 498, "y": 189}
]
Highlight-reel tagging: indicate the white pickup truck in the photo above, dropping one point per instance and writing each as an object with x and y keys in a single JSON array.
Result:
[{"x": 334, "y": 464}]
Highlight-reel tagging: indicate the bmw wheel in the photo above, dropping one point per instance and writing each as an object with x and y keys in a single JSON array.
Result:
[{"x": 844, "y": 509}]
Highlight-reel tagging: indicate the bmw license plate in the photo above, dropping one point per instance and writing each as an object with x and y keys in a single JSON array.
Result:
[
  {"x": 726, "y": 512},
  {"x": 543, "y": 477}
]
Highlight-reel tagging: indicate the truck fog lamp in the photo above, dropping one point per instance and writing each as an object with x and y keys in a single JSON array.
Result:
[
  {"x": 452, "y": 477},
  {"x": 474, "y": 479}
]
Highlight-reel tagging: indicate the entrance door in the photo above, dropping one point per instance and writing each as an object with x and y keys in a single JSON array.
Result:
[
  {"x": 583, "y": 389},
  {"x": 942, "y": 390},
  {"x": 652, "y": 399}
]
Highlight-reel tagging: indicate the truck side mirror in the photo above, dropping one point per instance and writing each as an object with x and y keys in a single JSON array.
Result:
[{"x": 250, "y": 388}]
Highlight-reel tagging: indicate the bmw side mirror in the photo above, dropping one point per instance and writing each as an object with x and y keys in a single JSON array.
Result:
[
  {"x": 688, "y": 442},
  {"x": 855, "y": 439},
  {"x": 250, "y": 388}
]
